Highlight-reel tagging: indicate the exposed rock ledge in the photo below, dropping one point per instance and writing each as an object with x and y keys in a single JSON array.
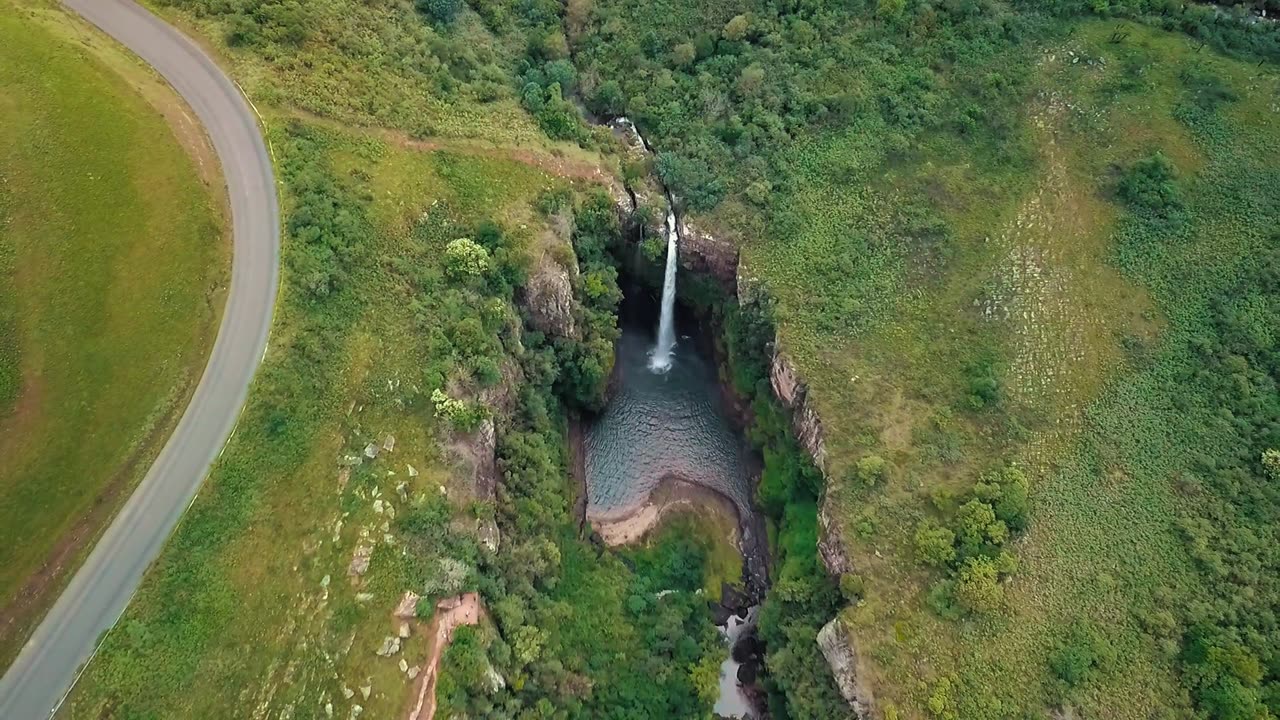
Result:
[
  {"x": 548, "y": 298},
  {"x": 833, "y": 639},
  {"x": 705, "y": 253}
]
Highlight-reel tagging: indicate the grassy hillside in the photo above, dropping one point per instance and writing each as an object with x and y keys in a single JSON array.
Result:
[
  {"x": 1043, "y": 317},
  {"x": 111, "y": 256}
]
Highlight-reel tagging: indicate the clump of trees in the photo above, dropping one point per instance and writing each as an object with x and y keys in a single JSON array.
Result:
[{"x": 968, "y": 545}]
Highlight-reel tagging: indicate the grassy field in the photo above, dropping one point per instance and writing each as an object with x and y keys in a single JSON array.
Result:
[
  {"x": 1038, "y": 277},
  {"x": 111, "y": 259}
]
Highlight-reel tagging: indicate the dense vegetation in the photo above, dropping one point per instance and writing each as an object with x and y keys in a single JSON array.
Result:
[
  {"x": 579, "y": 633},
  {"x": 99, "y": 349}
]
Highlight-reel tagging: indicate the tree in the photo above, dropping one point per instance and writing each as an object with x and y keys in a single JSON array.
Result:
[
  {"x": 442, "y": 12},
  {"x": 683, "y": 54},
  {"x": 464, "y": 258},
  {"x": 1271, "y": 464},
  {"x": 976, "y": 525},
  {"x": 978, "y": 586},
  {"x": 736, "y": 28},
  {"x": 935, "y": 545}
]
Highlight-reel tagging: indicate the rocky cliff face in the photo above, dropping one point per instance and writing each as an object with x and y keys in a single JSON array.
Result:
[
  {"x": 707, "y": 254},
  {"x": 794, "y": 396},
  {"x": 833, "y": 640},
  {"x": 549, "y": 302}
]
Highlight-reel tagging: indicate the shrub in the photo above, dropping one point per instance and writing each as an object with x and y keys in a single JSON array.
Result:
[
  {"x": 852, "y": 587},
  {"x": 1080, "y": 656},
  {"x": 935, "y": 545},
  {"x": 977, "y": 586},
  {"x": 441, "y": 12},
  {"x": 1148, "y": 186},
  {"x": 464, "y": 258},
  {"x": 872, "y": 470}
]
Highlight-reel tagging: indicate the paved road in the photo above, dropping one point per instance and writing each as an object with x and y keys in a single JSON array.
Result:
[{"x": 97, "y": 595}]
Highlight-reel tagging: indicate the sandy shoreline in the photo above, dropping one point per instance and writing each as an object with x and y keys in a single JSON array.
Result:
[{"x": 630, "y": 524}]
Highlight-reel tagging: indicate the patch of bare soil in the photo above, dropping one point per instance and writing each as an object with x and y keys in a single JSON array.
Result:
[{"x": 451, "y": 613}]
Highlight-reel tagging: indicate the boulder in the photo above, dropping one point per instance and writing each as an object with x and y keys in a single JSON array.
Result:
[{"x": 408, "y": 606}]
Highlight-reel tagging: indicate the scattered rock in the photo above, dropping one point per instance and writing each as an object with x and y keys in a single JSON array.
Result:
[
  {"x": 408, "y": 605},
  {"x": 324, "y": 581},
  {"x": 390, "y": 646},
  {"x": 347, "y": 692},
  {"x": 360, "y": 559},
  {"x": 389, "y": 442},
  {"x": 355, "y": 712},
  {"x": 413, "y": 472},
  {"x": 378, "y": 506},
  {"x": 404, "y": 665},
  {"x": 366, "y": 690},
  {"x": 371, "y": 450},
  {"x": 413, "y": 672},
  {"x": 404, "y": 630}
]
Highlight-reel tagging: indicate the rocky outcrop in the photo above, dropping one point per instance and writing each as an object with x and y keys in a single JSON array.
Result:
[
  {"x": 705, "y": 253},
  {"x": 548, "y": 300},
  {"x": 830, "y": 547},
  {"x": 479, "y": 450},
  {"x": 833, "y": 640},
  {"x": 804, "y": 419}
]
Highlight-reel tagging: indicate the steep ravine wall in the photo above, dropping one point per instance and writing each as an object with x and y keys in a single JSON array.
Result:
[{"x": 703, "y": 253}]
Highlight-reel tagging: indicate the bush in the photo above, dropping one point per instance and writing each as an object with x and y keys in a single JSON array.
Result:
[
  {"x": 1148, "y": 186},
  {"x": 977, "y": 587},
  {"x": 1080, "y": 656},
  {"x": 872, "y": 470},
  {"x": 935, "y": 545},
  {"x": 464, "y": 259}
]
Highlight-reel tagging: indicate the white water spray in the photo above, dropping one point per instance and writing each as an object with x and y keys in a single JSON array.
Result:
[{"x": 660, "y": 358}]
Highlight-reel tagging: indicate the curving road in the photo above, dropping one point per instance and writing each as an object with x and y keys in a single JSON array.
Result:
[{"x": 50, "y": 662}]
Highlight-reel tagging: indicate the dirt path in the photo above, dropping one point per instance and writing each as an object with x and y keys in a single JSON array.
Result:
[{"x": 451, "y": 613}]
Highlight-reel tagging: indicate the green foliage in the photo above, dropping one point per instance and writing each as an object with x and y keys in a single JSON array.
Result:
[
  {"x": 1149, "y": 186},
  {"x": 977, "y": 587},
  {"x": 935, "y": 545},
  {"x": 1081, "y": 656},
  {"x": 443, "y": 12},
  {"x": 464, "y": 259},
  {"x": 872, "y": 470}
]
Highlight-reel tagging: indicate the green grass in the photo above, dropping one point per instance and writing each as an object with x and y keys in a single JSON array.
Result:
[
  {"x": 237, "y": 600},
  {"x": 1090, "y": 359},
  {"x": 370, "y": 64},
  {"x": 111, "y": 255}
]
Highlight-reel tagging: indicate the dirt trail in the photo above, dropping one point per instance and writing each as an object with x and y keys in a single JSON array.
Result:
[{"x": 451, "y": 613}]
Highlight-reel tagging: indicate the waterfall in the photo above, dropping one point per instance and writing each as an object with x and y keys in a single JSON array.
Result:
[{"x": 660, "y": 359}]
